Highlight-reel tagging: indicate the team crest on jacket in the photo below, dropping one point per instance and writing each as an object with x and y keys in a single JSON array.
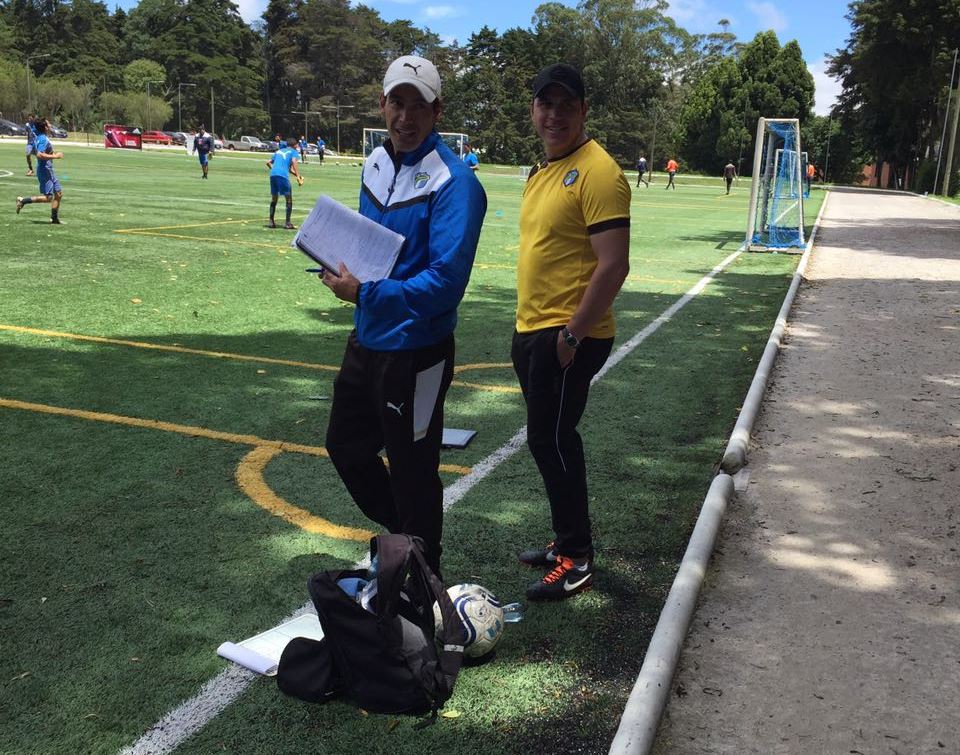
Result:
[
  {"x": 420, "y": 180},
  {"x": 571, "y": 178}
]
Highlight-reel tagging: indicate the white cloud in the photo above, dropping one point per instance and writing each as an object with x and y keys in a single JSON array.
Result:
[
  {"x": 251, "y": 10},
  {"x": 827, "y": 88},
  {"x": 769, "y": 16},
  {"x": 699, "y": 17},
  {"x": 442, "y": 11},
  {"x": 685, "y": 11}
]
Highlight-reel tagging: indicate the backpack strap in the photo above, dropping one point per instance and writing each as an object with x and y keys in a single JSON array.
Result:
[
  {"x": 393, "y": 552},
  {"x": 452, "y": 636}
]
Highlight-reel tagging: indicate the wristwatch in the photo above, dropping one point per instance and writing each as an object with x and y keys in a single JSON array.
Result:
[{"x": 569, "y": 338}]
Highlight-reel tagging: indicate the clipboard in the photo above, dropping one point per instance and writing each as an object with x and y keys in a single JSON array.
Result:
[{"x": 334, "y": 234}]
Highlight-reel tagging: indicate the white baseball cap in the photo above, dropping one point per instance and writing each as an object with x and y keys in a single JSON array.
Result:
[{"x": 418, "y": 72}]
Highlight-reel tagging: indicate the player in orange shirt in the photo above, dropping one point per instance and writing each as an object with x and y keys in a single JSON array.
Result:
[
  {"x": 811, "y": 174},
  {"x": 671, "y": 173}
]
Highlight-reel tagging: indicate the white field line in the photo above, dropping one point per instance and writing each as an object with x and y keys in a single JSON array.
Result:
[
  {"x": 194, "y": 714},
  {"x": 790, "y": 208},
  {"x": 6, "y": 174}
]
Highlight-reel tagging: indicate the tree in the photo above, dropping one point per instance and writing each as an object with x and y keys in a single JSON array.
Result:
[
  {"x": 719, "y": 117},
  {"x": 140, "y": 72},
  {"x": 147, "y": 112},
  {"x": 896, "y": 108},
  {"x": 247, "y": 120},
  {"x": 205, "y": 42}
]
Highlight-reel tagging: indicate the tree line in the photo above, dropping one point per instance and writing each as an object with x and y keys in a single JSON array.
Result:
[{"x": 316, "y": 65}]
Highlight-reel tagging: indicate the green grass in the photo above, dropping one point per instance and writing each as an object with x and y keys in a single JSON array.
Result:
[{"x": 130, "y": 551}]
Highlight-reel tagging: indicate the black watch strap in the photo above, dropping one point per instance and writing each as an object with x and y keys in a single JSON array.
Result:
[{"x": 569, "y": 338}]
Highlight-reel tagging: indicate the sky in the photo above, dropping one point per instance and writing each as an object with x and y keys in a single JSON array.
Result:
[{"x": 818, "y": 26}]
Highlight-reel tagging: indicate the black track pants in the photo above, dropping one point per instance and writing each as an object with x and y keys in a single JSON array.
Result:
[
  {"x": 556, "y": 399},
  {"x": 393, "y": 400}
]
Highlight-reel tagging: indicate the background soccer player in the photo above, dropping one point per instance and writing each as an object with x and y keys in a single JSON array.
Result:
[
  {"x": 50, "y": 191},
  {"x": 282, "y": 164},
  {"x": 203, "y": 147},
  {"x": 31, "y": 142}
]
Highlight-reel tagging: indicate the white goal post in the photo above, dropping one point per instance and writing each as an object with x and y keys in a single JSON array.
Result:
[
  {"x": 775, "y": 219},
  {"x": 374, "y": 137}
]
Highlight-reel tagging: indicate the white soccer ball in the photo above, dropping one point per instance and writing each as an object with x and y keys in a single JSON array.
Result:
[{"x": 481, "y": 615}]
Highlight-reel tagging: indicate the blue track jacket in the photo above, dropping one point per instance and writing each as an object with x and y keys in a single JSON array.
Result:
[{"x": 437, "y": 204}]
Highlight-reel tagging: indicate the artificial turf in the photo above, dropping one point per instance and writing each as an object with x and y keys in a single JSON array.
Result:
[{"x": 162, "y": 334}]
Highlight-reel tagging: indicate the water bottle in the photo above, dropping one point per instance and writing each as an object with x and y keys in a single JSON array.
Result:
[{"x": 513, "y": 613}]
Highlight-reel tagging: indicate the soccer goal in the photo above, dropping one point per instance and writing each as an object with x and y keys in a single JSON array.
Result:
[
  {"x": 375, "y": 137},
  {"x": 775, "y": 219}
]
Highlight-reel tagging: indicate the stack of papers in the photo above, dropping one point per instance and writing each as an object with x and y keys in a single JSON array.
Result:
[
  {"x": 261, "y": 653},
  {"x": 333, "y": 233}
]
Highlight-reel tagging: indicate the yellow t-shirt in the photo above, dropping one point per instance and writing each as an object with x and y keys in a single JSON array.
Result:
[{"x": 564, "y": 201}]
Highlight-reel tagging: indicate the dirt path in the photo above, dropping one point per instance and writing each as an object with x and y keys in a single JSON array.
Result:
[{"x": 830, "y": 619}]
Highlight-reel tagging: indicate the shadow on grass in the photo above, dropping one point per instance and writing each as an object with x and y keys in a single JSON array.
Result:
[{"x": 182, "y": 560}]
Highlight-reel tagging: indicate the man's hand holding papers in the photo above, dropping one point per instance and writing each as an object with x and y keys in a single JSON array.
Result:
[{"x": 344, "y": 286}]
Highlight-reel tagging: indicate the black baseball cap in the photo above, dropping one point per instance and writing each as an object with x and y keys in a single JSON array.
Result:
[{"x": 563, "y": 74}]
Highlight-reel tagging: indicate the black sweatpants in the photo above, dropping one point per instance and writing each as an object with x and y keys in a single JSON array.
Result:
[
  {"x": 556, "y": 398},
  {"x": 393, "y": 400}
]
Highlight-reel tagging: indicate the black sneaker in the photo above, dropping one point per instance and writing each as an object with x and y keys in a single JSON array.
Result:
[
  {"x": 271, "y": 224},
  {"x": 538, "y": 557},
  {"x": 563, "y": 581},
  {"x": 290, "y": 226}
]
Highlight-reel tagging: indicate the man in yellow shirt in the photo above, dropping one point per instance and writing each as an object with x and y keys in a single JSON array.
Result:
[{"x": 574, "y": 257}]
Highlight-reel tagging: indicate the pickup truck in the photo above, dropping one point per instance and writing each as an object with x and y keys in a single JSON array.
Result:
[{"x": 246, "y": 143}]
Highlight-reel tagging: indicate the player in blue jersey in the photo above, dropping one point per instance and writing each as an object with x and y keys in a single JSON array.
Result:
[
  {"x": 303, "y": 148},
  {"x": 50, "y": 191},
  {"x": 203, "y": 147},
  {"x": 31, "y": 142},
  {"x": 321, "y": 148},
  {"x": 282, "y": 164},
  {"x": 470, "y": 157}
]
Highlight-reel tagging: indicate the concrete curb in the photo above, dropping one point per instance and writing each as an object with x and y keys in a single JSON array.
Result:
[
  {"x": 648, "y": 698},
  {"x": 641, "y": 716},
  {"x": 735, "y": 455}
]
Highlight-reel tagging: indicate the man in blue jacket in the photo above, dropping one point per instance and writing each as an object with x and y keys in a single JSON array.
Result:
[{"x": 398, "y": 363}]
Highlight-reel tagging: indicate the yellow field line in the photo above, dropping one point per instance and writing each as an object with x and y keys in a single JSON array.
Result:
[
  {"x": 170, "y": 427},
  {"x": 249, "y": 476},
  {"x": 249, "y": 472},
  {"x": 204, "y": 238},
  {"x": 244, "y": 357},
  {"x": 189, "y": 430},
  {"x": 178, "y": 227},
  {"x": 165, "y": 347}
]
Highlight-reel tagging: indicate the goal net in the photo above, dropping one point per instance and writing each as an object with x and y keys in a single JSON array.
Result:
[
  {"x": 775, "y": 218},
  {"x": 375, "y": 137}
]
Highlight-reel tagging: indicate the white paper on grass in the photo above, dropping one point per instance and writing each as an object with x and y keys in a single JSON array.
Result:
[
  {"x": 456, "y": 438},
  {"x": 261, "y": 653},
  {"x": 333, "y": 233}
]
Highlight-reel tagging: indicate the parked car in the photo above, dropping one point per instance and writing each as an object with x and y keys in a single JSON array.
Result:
[
  {"x": 9, "y": 128},
  {"x": 217, "y": 142},
  {"x": 155, "y": 137},
  {"x": 177, "y": 137},
  {"x": 57, "y": 132},
  {"x": 246, "y": 144}
]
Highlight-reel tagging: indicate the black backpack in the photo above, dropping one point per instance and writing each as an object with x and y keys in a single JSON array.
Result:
[{"x": 388, "y": 661}]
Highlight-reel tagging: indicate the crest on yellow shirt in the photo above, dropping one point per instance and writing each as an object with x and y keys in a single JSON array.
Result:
[{"x": 571, "y": 178}]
